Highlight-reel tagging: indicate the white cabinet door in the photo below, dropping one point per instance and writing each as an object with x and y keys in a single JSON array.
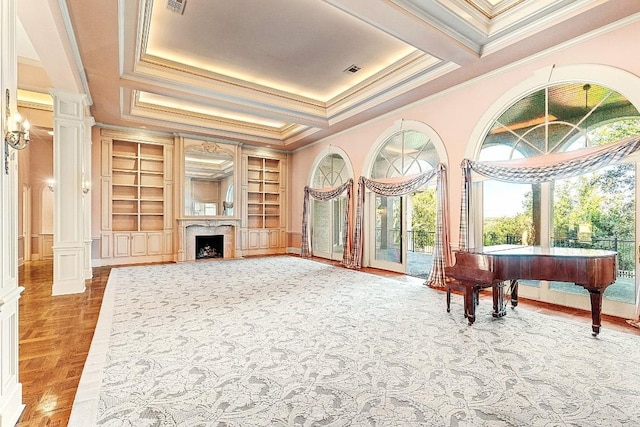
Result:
[
  {"x": 274, "y": 238},
  {"x": 138, "y": 244},
  {"x": 254, "y": 239},
  {"x": 264, "y": 239},
  {"x": 121, "y": 244},
  {"x": 154, "y": 243}
]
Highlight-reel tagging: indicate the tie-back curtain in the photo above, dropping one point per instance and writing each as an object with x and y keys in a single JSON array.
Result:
[
  {"x": 325, "y": 195},
  {"x": 539, "y": 169},
  {"x": 399, "y": 187}
]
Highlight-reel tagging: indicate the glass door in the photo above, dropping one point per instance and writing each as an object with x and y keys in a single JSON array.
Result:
[
  {"x": 328, "y": 228},
  {"x": 389, "y": 249},
  {"x": 598, "y": 210}
]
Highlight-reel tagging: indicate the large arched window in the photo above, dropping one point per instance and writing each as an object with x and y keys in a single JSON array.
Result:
[
  {"x": 595, "y": 210},
  {"x": 328, "y": 228},
  {"x": 404, "y": 233},
  {"x": 404, "y": 153}
]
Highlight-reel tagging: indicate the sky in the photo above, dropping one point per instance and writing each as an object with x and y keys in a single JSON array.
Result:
[{"x": 503, "y": 199}]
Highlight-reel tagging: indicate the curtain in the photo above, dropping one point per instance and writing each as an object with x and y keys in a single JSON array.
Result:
[
  {"x": 399, "y": 187},
  {"x": 325, "y": 195},
  {"x": 539, "y": 169}
]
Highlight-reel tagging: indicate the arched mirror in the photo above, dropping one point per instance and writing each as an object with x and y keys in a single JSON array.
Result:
[{"x": 208, "y": 179}]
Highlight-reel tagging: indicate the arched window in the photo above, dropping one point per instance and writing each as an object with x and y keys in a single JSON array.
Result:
[
  {"x": 328, "y": 228},
  {"x": 594, "y": 210},
  {"x": 405, "y": 226},
  {"x": 330, "y": 172},
  {"x": 404, "y": 153}
]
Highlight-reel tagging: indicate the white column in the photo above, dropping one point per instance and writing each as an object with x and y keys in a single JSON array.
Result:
[
  {"x": 68, "y": 212},
  {"x": 11, "y": 405},
  {"x": 86, "y": 199}
]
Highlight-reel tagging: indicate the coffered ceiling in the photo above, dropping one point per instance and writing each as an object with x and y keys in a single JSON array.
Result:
[{"x": 284, "y": 73}]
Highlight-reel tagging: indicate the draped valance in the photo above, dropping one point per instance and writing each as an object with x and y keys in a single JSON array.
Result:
[
  {"x": 325, "y": 195},
  {"x": 399, "y": 187},
  {"x": 540, "y": 169}
]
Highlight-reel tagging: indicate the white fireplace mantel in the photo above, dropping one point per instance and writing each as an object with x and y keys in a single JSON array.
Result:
[{"x": 188, "y": 228}]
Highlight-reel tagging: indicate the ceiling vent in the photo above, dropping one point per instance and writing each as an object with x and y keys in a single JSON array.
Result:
[
  {"x": 176, "y": 6},
  {"x": 352, "y": 69}
]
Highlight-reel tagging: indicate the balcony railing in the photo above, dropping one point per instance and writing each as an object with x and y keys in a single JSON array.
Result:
[
  {"x": 424, "y": 241},
  {"x": 624, "y": 247}
]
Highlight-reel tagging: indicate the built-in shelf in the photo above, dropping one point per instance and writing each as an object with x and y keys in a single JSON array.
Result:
[
  {"x": 137, "y": 180},
  {"x": 263, "y": 192},
  {"x": 136, "y": 187}
]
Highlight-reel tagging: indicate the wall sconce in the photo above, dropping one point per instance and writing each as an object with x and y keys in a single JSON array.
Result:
[
  {"x": 50, "y": 183},
  {"x": 16, "y": 136}
]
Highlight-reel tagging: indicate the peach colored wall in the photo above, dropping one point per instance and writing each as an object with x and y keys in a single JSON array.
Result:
[{"x": 455, "y": 113}]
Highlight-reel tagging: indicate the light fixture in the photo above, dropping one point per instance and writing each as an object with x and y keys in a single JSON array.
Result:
[
  {"x": 586, "y": 88},
  {"x": 50, "y": 183},
  {"x": 16, "y": 136}
]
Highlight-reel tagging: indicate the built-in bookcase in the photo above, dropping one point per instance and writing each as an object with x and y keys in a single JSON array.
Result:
[
  {"x": 263, "y": 192},
  {"x": 263, "y": 225},
  {"x": 137, "y": 198},
  {"x": 137, "y": 186}
]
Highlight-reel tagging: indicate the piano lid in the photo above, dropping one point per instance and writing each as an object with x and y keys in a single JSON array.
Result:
[{"x": 522, "y": 250}]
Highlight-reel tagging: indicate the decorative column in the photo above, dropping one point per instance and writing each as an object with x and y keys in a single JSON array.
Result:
[
  {"x": 11, "y": 405},
  {"x": 68, "y": 164},
  {"x": 86, "y": 199}
]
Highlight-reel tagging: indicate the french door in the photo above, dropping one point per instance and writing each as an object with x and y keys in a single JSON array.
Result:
[
  {"x": 574, "y": 201},
  {"x": 388, "y": 233},
  {"x": 328, "y": 228}
]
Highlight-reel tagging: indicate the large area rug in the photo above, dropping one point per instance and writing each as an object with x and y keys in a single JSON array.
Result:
[{"x": 284, "y": 341}]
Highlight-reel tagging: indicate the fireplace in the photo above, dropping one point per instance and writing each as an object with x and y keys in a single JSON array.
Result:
[
  {"x": 190, "y": 228},
  {"x": 210, "y": 246}
]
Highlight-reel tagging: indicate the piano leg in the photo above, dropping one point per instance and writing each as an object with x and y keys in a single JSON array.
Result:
[
  {"x": 596, "y": 310},
  {"x": 513, "y": 290},
  {"x": 499, "y": 306},
  {"x": 470, "y": 302}
]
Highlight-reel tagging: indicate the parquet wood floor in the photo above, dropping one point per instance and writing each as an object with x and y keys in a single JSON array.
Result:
[
  {"x": 56, "y": 332},
  {"x": 55, "y": 335}
]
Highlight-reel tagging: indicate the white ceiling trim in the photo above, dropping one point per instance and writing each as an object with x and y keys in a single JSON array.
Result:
[
  {"x": 574, "y": 9},
  {"x": 193, "y": 121},
  {"x": 411, "y": 82}
]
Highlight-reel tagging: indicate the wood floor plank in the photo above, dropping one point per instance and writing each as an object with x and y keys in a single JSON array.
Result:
[{"x": 55, "y": 335}]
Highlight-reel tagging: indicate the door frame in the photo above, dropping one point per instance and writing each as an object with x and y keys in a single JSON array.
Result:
[{"x": 370, "y": 242}]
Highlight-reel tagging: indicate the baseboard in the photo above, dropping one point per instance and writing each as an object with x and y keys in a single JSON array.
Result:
[{"x": 12, "y": 407}]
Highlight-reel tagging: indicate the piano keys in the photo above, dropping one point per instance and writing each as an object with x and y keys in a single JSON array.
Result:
[{"x": 492, "y": 266}]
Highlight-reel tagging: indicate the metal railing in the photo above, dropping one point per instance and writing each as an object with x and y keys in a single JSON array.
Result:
[
  {"x": 417, "y": 240},
  {"x": 424, "y": 241},
  {"x": 421, "y": 241},
  {"x": 624, "y": 247}
]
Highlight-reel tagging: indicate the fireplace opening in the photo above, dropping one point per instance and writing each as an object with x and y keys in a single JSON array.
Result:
[{"x": 210, "y": 246}]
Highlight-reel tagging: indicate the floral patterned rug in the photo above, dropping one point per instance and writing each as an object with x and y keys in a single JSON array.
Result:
[{"x": 284, "y": 341}]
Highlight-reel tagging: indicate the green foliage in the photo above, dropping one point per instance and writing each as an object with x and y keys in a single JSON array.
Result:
[
  {"x": 604, "y": 199},
  {"x": 424, "y": 209},
  {"x": 517, "y": 229}
]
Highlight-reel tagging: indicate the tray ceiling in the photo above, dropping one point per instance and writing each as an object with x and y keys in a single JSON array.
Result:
[{"x": 285, "y": 73}]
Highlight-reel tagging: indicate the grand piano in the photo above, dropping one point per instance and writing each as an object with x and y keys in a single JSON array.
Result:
[{"x": 493, "y": 266}]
